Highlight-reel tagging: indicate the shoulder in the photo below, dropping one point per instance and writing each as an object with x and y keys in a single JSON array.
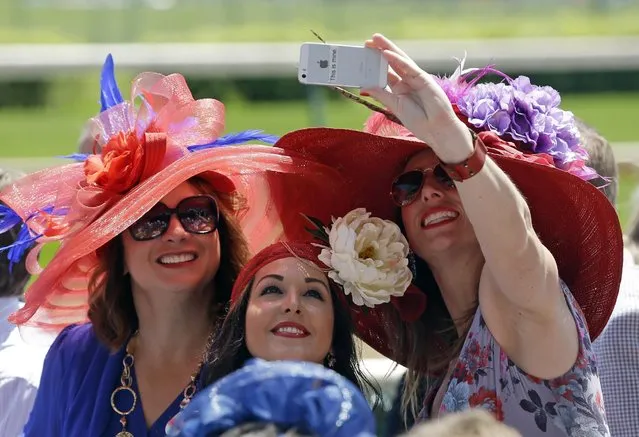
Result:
[
  {"x": 74, "y": 348},
  {"x": 72, "y": 355},
  {"x": 76, "y": 337},
  {"x": 77, "y": 334}
]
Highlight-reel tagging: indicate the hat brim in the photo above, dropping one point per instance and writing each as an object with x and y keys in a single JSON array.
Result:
[
  {"x": 274, "y": 185},
  {"x": 573, "y": 219}
]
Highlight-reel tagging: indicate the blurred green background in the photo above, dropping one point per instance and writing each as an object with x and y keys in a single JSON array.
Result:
[
  {"x": 290, "y": 20},
  {"x": 44, "y": 117}
]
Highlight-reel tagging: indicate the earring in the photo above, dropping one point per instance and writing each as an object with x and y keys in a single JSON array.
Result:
[
  {"x": 330, "y": 360},
  {"x": 412, "y": 264}
]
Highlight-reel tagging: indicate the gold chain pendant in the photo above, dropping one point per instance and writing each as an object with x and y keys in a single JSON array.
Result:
[{"x": 126, "y": 381}]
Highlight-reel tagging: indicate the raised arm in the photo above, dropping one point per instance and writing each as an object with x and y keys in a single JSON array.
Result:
[
  {"x": 519, "y": 291},
  {"x": 523, "y": 269}
]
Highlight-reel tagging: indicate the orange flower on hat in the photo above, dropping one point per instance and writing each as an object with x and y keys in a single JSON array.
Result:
[{"x": 120, "y": 165}]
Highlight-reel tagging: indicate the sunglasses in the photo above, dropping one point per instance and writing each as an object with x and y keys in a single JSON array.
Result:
[
  {"x": 407, "y": 186},
  {"x": 197, "y": 215}
]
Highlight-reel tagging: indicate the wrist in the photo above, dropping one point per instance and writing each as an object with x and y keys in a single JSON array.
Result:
[
  {"x": 471, "y": 164},
  {"x": 455, "y": 148}
]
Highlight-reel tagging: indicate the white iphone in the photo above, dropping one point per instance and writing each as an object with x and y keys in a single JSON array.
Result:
[{"x": 342, "y": 65}]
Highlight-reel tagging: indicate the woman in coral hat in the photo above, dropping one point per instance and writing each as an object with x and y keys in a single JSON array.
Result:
[
  {"x": 152, "y": 229},
  {"x": 517, "y": 253}
]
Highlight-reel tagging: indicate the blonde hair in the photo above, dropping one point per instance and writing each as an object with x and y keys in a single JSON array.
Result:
[
  {"x": 472, "y": 423},
  {"x": 258, "y": 429}
]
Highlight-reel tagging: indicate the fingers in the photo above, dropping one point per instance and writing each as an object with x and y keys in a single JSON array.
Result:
[
  {"x": 383, "y": 43},
  {"x": 397, "y": 85},
  {"x": 412, "y": 77},
  {"x": 387, "y": 98},
  {"x": 405, "y": 67},
  {"x": 399, "y": 62},
  {"x": 393, "y": 78}
]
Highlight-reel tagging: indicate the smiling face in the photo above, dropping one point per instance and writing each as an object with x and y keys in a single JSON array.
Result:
[
  {"x": 290, "y": 313},
  {"x": 435, "y": 221},
  {"x": 176, "y": 261}
]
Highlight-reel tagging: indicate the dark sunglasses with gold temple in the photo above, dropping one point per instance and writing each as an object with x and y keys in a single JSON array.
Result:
[
  {"x": 407, "y": 186},
  {"x": 197, "y": 215}
]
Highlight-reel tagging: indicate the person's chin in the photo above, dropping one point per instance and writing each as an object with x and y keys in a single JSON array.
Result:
[
  {"x": 180, "y": 275},
  {"x": 435, "y": 247},
  {"x": 180, "y": 287},
  {"x": 292, "y": 356}
]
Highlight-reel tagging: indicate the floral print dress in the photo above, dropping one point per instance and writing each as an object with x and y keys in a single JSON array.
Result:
[{"x": 484, "y": 377}]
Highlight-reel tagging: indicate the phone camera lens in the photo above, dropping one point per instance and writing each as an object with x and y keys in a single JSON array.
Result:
[{"x": 304, "y": 76}]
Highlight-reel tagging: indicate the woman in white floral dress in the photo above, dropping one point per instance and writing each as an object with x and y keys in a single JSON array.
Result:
[{"x": 516, "y": 252}]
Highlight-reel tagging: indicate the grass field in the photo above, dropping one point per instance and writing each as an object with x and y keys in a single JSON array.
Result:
[
  {"x": 55, "y": 130},
  {"x": 290, "y": 20}
]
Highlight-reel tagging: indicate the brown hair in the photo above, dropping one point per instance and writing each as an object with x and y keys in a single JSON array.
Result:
[
  {"x": 261, "y": 429},
  {"x": 472, "y": 423},
  {"x": 111, "y": 308},
  {"x": 428, "y": 345},
  {"x": 600, "y": 157}
]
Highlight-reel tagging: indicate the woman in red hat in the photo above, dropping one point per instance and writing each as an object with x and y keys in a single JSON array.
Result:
[
  {"x": 152, "y": 229},
  {"x": 517, "y": 253},
  {"x": 287, "y": 305}
]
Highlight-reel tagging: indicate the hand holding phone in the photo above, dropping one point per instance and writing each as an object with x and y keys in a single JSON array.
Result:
[
  {"x": 421, "y": 104},
  {"x": 342, "y": 65}
]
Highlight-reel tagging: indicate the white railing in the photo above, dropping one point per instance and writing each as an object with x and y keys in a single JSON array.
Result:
[{"x": 280, "y": 59}]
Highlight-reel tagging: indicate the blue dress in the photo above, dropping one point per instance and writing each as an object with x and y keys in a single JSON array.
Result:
[{"x": 73, "y": 400}]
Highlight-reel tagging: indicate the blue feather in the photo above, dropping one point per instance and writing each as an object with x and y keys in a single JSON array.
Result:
[
  {"x": 8, "y": 219},
  {"x": 237, "y": 138},
  {"x": 20, "y": 247},
  {"x": 109, "y": 92},
  {"x": 79, "y": 157},
  {"x": 25, "y": 239}
]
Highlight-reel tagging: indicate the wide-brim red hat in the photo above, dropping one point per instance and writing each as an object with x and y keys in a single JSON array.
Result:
[
  {"x": 305, "y": 250},
  {"x": 573, "y": 219},
  {"x": 142, "y": 154}
]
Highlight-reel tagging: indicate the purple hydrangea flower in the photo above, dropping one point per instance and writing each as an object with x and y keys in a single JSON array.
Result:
[
  {"x": 528, "y": 114},
  {"x": 522, "y": 83},
  {"x": 524, "y": 120}
]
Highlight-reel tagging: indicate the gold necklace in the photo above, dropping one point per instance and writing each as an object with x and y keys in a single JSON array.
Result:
[{"x": 126, "y": 381}]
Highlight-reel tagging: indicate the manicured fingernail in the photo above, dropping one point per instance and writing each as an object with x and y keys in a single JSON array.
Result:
[{"x": 364, "y": 93}]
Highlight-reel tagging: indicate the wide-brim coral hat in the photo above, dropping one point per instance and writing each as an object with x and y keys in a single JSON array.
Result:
[
  {"x": 143, "y": 153},
  {"x": 573, "y": 219}
]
